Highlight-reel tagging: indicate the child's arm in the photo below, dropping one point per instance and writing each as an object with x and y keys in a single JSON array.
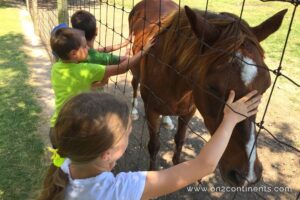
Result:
[
  {"x": 125, "y": 65},
  {"x": 111, "y": 48},
  {"x": 98, "y": 84},
  {"x": 166, "y": 181},
  {"x": 123, "y": 58}
]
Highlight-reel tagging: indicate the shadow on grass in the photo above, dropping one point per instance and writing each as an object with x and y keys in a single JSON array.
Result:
[
  {"x": 11, "y": 3},
  {"x": 21, "y": 149},
  {"x": 5, "y": 5}
]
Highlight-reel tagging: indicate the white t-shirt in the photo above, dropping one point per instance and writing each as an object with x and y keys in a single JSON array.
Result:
[{"x": 105, "y": 186}]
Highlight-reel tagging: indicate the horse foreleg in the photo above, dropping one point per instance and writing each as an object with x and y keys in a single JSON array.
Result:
[
  {"x": 134, "y": 112},
  {"x": 183, "y": 120},
  {"x": 135, "y": 85},
  {"x": 154, "y": 142}
]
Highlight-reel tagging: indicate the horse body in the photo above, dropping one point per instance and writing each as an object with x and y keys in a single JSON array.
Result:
[
  {"x": 194, "y": 63},
  {"x": 144, "y": 24},
  {"x": 166, "y": 86},
  {"x": 144, "y": 19}
]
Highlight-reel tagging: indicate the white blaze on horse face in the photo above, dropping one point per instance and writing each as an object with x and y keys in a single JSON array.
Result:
[
  {"x": 249, "y": 69},
  {"x": 251, "y": 177}
]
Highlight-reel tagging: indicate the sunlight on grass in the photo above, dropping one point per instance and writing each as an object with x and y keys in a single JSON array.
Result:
[
  {"x": 34, "y": 114},
  {"x": 21, "y": 105},
  {"x": 6, "y": 75},
  {"x": 8, "y": 72}
]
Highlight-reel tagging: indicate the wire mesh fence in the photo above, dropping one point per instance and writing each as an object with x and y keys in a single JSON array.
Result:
[{"x": 113, "y": 28}]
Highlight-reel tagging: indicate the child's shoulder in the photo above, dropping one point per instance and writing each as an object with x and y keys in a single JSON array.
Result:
[
  {"x": 59, "y": 65},
  {"x": 129, "y": 177}
]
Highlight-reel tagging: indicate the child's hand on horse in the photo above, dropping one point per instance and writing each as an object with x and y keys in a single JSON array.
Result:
[
  {"x": 148, "y": 45},
  {"x": 242, "y": 108}
]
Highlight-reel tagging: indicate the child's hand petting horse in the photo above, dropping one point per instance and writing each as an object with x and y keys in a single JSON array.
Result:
[
  {"x": 148, "y": 45},
  {"x": 242, "y": 108}
]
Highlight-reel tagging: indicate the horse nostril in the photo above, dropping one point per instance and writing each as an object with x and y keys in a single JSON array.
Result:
[{"x": 235, "y": 177}]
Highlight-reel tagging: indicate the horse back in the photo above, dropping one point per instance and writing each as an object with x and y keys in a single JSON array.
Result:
[{"x": 145, "y": 18}]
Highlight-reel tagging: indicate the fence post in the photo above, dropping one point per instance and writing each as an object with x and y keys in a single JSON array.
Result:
[
  {"x": 35, "y": 16},
  {"x": 27, "y": 5},
  {"x": 62, "y": 8}
]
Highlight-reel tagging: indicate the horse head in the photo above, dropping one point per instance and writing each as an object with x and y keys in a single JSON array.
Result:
[{"x": 231, "y": 59}]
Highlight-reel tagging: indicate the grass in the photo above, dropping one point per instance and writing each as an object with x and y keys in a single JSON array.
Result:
[{"x": 21, "y": 150}]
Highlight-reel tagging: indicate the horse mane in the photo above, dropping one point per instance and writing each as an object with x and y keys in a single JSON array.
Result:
[{"x": 192, "y": 55}]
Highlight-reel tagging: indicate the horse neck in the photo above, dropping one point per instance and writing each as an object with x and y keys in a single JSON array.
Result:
[{"x": 179, "y": 48}]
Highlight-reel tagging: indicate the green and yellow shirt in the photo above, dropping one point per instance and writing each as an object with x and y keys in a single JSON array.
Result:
[{"x": 70, "y": 79}]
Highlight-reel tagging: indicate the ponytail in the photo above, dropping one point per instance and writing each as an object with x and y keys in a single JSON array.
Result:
[{"x": 54, "y": 184}]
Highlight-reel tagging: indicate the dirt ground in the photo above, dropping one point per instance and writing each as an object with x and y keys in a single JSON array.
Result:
[{"x": 281, "y": 164}]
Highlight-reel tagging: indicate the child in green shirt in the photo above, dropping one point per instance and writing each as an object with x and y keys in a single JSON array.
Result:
[
  {"x": 71, "y": 75},
  {"x": 86, "y": 22}
]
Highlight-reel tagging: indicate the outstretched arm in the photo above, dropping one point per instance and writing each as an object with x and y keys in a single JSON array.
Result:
[
  {"x": 111, "y": 48},
  {"x": 125, "y": 65},
  {"x": 166, "y": 181}
]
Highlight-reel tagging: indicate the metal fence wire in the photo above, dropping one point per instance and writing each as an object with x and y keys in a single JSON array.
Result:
[{"x": 112, "y": 21}]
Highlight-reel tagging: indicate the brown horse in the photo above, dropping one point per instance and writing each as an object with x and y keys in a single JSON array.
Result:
[
  {"x": 196, "y": 60},
  {"x": 145, "y": 21}
]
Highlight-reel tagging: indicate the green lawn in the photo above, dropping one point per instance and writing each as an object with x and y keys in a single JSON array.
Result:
[{"x": 21, "y": 149}]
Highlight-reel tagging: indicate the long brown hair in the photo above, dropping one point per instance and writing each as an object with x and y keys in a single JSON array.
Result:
[{"x": 88, "y": 125}]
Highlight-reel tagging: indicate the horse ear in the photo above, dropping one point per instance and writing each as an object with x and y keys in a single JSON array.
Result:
[
  {"x": 269, "y": 26},
  {"x": 200, "y": 26}
]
